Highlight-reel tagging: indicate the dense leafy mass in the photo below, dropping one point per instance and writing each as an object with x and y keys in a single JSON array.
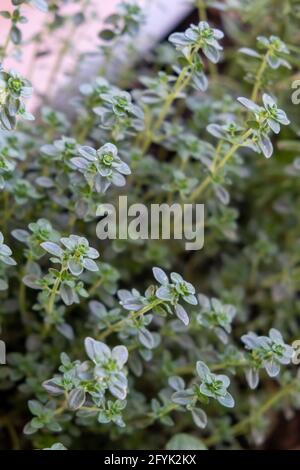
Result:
[{"x": 135, "y": 344}]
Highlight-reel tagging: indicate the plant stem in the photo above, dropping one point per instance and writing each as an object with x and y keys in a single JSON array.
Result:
[
  {"x": 5, "y": 46},
  {"x": 119, "y": 325},
  {"x": 243, "y": 425},
  {"x": 22, "y": 302},
  {"x": 190, "y": 369},
  {"x": 181, "y": 82},
  {"x": 60, "y": 410},
  {"x": 259, "y": 78},
  {"x": 201, "y": 10},
  {"x": 53, "y": 293},
  {"x": 164, "y": 412},
  {"x": 95, "y": 286},
  {"x": 201, "y": 188}
]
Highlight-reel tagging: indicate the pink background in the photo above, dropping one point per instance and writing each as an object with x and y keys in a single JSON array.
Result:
[
  {"x": 46, "y": 77},
  {"x": 84, "y": 40}
]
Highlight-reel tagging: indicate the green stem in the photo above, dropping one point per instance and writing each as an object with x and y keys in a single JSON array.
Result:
[
  {"x": 243, "y": 426},
  {"x": 5, "y": 46},
  {"x": 190, "y": 369},
  {"x": 119, "y": 325},
  {"x": 22, "y": 301},
  {"x": 259, "y": 77},
  {"x": 95, "y": 286},
  {"x": 201, "y": 10},
  {"x": 168, "y": 409},
  {"x": 181, "y": 82},
  {"x": 201, "y": 188},
  {"x": 53, "y": 293}
]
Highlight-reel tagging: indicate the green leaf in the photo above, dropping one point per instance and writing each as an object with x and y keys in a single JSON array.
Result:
[
  {"x": 5, "y": 14},
  {"x": 16, "y": 35},
  {"x": 76, "y": 399},
  {"x": 35, "y": 407},
  {"x": 185, "y": 442},
  {"x": 107, "y": 35}
]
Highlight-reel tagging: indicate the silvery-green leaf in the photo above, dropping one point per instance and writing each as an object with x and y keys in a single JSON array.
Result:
[
  {"x": 268, "y": 101},
  {"x": 66, "y": 293},
  {"x": 275, "y": 126},
  {"x": 273, "y": 61},
  {"x": 211, "y": 53},
  {"x": 204, "y": 301},
  {"x": 177, "y": 278},
  {"x": 250, "y": 52},
  {"x": 252, "y": 378},
  {"x": 90, "y": 265},
  {"x": 97, "y": 308},
  {"x": 160, "y": 276},
  {"x": 118, "y": 179},
  {"x": 52, "y": 387},
  {"x": 216, "y": 130},
  {"x": 35, "y": 407},
  {"x": 183, "y": 397},
  {"x": 5, "y": 250},
  {"x": 227, "y": 400},
  {"x": 250, "y": 340},
  {"x": 76, "y": 399},
  {"x": 282, "y": 117},
  {"x": 103, "y": 418},
  {"x": 185, "y": 442},
  {"x": 118, "y": 390},
  {"x": 265, "y": 145},
  {"x": 146, "y": 338},
  {"x": 44, "y": 182},
  {"x": 202, "y": 370},
  {"x": 164, "y": 293},
  {"x": 3, "y": 285},
  {"x": 30, "y": 280},
  {"x": 181, "y": 314},
  {"x": 49, "y": 150},
  {"x": 222, "y": 194},
  {"x": 66, "y": 330},
  {"x": 92, "y": 253},
  {"x": 249, "y": 105},
  {"x": 276, "y": 336},
  {"x": 200, "y": 81},
  {"x": 29, "y": 429},
  {"x": 120, "y": 354},
  {"x": 177, "y": 383},
  {"x": 101, "y": 352},
  {"x": 190, "y": 299},
  {"x": 272, "y": 368},
  {"x": 8, "y": 260},
  {"x": 52, "y": 248},
  {"x": 199, "y": 417},
  {"x": 80, "y": 163},
  {"x": 222, "y": 335},
  {"x": 87, "y": 152},
  {"x": 75, "y": 267},
  {"x": 56, "y": 446},
  {"x": 21, "y": 235},
  {"x": 179, "y": 39}
]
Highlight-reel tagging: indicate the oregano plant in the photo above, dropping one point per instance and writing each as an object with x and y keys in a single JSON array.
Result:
[{"x": 138, "y": 343}]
